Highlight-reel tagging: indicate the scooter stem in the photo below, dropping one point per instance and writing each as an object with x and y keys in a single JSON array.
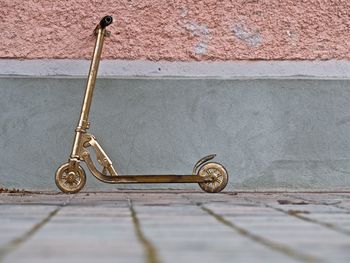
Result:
[{"x": 83, "y": 123}]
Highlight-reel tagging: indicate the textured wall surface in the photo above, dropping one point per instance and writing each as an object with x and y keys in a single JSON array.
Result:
[
  {"x": 178, "y": 29},
  {"x": 270, "y": 134}
]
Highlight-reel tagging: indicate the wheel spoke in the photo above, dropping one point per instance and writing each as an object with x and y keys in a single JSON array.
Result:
[{"x": 76, "y": 181}]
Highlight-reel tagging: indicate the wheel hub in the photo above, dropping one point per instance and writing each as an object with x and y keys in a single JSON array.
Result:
[{"x": 71, "y": 177}]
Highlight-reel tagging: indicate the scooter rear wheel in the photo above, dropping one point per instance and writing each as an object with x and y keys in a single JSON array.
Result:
[
  {"x": 70, "y": 182},
  {"x": 219, "y": 177}
]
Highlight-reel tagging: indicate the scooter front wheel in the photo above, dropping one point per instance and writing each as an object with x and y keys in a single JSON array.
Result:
[
  {"x": 70, "y": 182},
  {"x": 218, "y": 174}
]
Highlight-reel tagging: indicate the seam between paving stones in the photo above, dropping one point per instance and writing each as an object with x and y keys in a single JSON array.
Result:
[
  {"x": 150, "y": 250},
  {"x": 261, "y": 240},
  {"x": 341, "y": 195},
  {"x": 320, "y": 203},
  {"x": 304, "y": 218},
  {"x": 18, "y": 241},
  {"x": 290, "y": 252}
]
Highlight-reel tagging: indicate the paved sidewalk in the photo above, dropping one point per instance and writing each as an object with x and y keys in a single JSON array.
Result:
[{"x": 175, "y": 226}]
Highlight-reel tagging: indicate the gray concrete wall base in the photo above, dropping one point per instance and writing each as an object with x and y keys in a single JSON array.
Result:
[{"x": 282, "y": 134}]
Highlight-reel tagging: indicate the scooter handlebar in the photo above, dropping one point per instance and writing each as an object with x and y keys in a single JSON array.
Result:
[{"x": 106, "y": 21}]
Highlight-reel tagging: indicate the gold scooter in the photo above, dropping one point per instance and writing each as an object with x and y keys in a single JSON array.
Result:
[{"x": 70, "y": 177}]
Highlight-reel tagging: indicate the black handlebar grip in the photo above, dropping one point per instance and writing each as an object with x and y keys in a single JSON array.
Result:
[{"x": 106, "y": 21}]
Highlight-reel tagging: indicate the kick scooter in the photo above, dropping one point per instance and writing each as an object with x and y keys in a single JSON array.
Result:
[{"x": 70, "y": 177}]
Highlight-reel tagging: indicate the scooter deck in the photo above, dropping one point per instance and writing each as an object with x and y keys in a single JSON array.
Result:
[{"x": 164, "y": 178}]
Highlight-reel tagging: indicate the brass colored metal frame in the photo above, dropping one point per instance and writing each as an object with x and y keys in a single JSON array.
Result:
[
  {"x": 110, "y": 175},
  {"x": 70, "y": 177}
]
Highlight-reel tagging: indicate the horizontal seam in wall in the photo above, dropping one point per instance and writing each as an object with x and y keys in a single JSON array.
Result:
[
  {"x": 332, "y": 69},
  {"x": 175, "y": 77}
]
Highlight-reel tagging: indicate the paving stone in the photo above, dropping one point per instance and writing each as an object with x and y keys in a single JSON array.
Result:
[
  {"x": 174, "y": 226},
  {"x": 83, "y": 234}
]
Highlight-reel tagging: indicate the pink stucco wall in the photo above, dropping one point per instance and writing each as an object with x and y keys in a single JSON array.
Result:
[{"x": 178, "y": 29}]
